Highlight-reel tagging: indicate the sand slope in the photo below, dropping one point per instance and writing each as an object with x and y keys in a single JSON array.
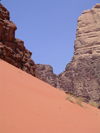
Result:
[{"x": 29, "y": 105}]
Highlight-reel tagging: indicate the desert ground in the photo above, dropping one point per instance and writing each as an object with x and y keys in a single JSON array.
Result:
[{"x": 29, "y": 105}]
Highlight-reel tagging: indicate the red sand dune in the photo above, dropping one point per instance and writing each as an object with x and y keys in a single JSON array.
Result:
[{"x": 29, "y": 105}]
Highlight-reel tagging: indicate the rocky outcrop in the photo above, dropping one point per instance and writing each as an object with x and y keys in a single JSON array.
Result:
[
  {"x": 12, "y": 49},
  {"x": 46, "y": 74},
  {"x": 82, "y": 75}
]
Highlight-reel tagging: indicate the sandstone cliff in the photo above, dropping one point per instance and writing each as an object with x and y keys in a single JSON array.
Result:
[
  {"x": 12, "y": 49},
  {"x": 82, "y": 75}
]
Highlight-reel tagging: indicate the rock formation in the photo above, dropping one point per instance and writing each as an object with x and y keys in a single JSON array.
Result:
[
  {"x": 46, "y": 74},
  {"x": 82, "y": 75},
  {"x": 12, "y": 49}
]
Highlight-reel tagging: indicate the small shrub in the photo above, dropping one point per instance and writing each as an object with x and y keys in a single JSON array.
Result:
[
  {"x": 70, "y": 98},
  {"x": 93, "y": 103},
  {"x": 73, "y": 99},
  {"x": 79, "y": 101},
  {"x": 69, "y": 93}
]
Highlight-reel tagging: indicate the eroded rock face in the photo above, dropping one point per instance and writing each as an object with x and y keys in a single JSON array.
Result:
[
  {"x": 12, "y": 49},
  {"x": 46, "y": 74},
  {"x": 7, "y": 28},
  {"x": 82, "y": 75},
  {"x": 88, "y": 32}
]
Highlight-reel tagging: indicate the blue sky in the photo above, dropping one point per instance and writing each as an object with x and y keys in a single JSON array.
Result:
[{"x": 48, "y": 28}]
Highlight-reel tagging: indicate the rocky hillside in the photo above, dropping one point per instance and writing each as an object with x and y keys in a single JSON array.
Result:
[
  {"x": 12, "y": 49},
  {"x": 82, "y": 75}
]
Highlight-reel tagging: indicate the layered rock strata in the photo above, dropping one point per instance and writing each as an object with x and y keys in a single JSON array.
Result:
[
  {"x": 12, "y": 49},
  {"x": 82, "y": 75}
]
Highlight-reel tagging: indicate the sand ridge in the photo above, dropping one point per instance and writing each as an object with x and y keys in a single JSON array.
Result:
[{"x": 29, "y": 105}]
